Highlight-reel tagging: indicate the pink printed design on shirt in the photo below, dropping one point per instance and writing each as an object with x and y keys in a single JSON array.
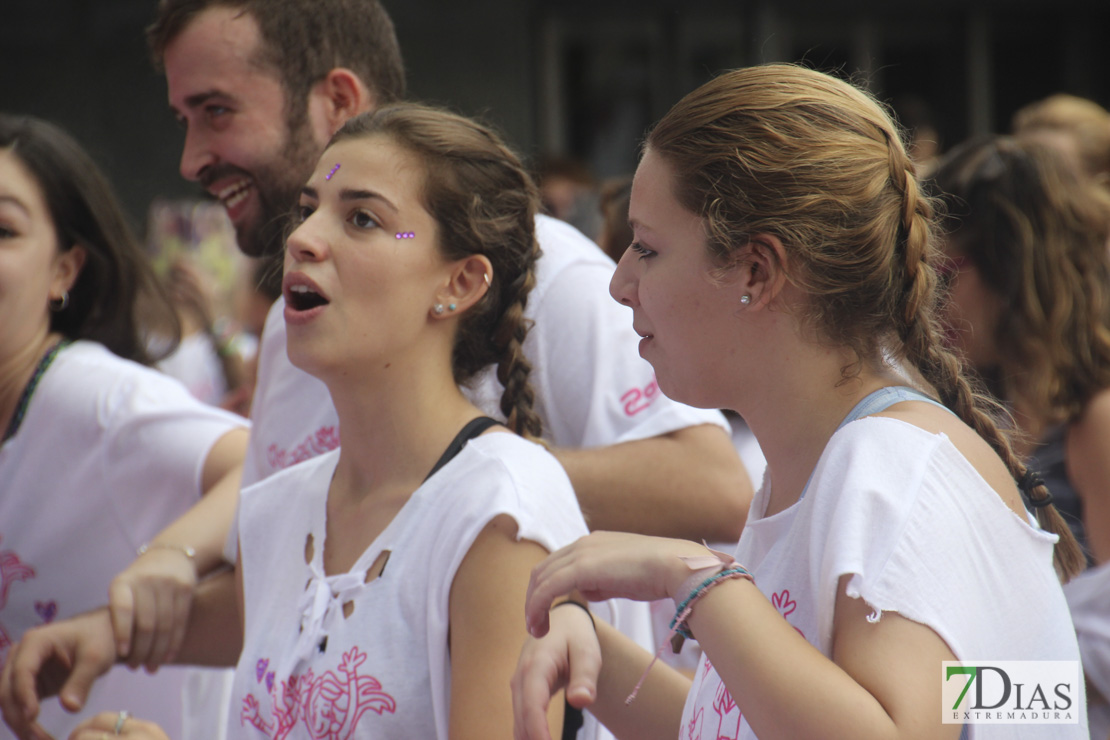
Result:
[
  {"x": 693, "y": 729},
  {"x": 12, "y": 569},
  {"x": 728, "y": 724},
  {"x": 729, "y": 715},
  {"x": 324, "y": 440},
  {"x": 785, "y": 606},
  {"x": 329, "y": 706},
  {"x": 637, "y": 399}
]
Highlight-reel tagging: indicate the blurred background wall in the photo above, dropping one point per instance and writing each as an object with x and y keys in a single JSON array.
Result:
[{"x": 582, "y": 78}]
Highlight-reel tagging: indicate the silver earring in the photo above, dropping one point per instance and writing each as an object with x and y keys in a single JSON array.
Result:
[
  {"x": 451, "y": 307},
  {"x": 57, "y": 305},
  {"x": 745, "y": 299},
  {"x": 485, "y": 276},
  {"x": 438, "y": 308}
]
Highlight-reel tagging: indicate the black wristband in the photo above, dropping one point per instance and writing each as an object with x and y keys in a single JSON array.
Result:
[{"x": 583, "y": 607}]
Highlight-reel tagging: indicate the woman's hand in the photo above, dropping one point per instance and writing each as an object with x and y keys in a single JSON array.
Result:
[
  {"x": 103, "y": 727},
  {"x": 150, "y": 603},
  {"x": 606, "y": 565},
  {"x": 62, "y": 658},
  {"x": 568, "y": 656}
]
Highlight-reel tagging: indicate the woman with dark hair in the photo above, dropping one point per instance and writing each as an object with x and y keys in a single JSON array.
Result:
[
  {"x": 99, "y": 452},
  {"x": 784, "y": 267},
  {"x": 382, "y": 581},
  {"x": 1029, "y": 306}
]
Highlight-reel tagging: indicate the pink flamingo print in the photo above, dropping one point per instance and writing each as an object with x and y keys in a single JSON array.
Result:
[{"x": 329, "y": 706}]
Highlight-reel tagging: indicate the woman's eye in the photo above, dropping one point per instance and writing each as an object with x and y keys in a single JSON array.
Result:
[
  {"x": 363, "y": 220},
  {"x": 303, "y": 212},
  {"x": 641, "y": 250}
]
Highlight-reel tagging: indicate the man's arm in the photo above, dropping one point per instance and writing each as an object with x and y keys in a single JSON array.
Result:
[
  {"x": 639, "y": 461},
  {"x": 688, "y": 483}
]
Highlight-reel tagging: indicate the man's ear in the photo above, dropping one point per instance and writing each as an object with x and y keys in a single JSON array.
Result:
[
  {"x": 762, "y": 274},
  {"x": 467, "y": 284},
  {"x": 340, "y": 96},
  {"x": 67, "y": 267}
]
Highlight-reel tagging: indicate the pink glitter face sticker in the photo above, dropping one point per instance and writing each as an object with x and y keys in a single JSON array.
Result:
[
  {"x": 333, "y": 170},
  {"x": 405, "y": 235}
]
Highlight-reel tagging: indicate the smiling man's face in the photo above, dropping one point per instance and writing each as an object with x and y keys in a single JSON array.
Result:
[{"x": 239, "y": 143}]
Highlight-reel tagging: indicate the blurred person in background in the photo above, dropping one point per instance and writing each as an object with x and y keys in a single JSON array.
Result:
[{"x": 1029, "y": 307}]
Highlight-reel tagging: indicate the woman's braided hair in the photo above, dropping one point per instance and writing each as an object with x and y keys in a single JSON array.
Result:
[
  {"x": 484, "y": 202},
  {"x": 783, "y": 150}
]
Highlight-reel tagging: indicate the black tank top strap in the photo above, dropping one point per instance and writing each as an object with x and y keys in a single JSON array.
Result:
[{"x": 473, "y": 428}]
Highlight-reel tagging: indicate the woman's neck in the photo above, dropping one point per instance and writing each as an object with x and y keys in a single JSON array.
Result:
[
  {"x": 17, "y": 369},
  {"x": 395, "y": 426},
  {"x": 795, "y": 418}
]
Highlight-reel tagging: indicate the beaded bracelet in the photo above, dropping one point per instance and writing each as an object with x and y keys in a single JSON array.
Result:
[
  {"x": 682, "y": 613},
  {"x": 678, "y": 625}
]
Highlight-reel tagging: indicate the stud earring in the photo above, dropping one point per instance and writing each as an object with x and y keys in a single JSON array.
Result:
[
  {"x": 745, "y": 299},
  {"x": 485, "y": 276},
  {"x": 59, "y": 304},
  {"x": 451, "y": 307},
  {"x": 437, "y": 309}
]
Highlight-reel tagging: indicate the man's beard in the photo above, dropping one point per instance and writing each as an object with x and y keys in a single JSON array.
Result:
[{"x": 278, "y": 187}]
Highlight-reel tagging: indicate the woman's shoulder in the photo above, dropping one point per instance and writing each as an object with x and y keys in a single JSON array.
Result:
[
  {"x": 517, "y": 470},
  {"x": 86, "y": 377},
  {"x": 97, "y": 368},
  {"x": 515, "y": 457},
  {"x": 885, "y": 462},
  {"x": 968, "y": 453}
]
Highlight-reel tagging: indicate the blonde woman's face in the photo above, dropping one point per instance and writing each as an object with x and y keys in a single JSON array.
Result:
[{"x": 686, "y": 318}]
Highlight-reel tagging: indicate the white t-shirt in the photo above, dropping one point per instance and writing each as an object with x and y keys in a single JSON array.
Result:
[
  {"x": 108, "y": 454},
  {"x": 310, "y": 668},
  {"x": 196, "y": 363},
  {"x": 921, "y": 534}
]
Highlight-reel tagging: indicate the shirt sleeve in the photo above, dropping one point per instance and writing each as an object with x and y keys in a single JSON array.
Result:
[
  {"x": 156, "y": 441},
  {"x": 592, "y": 387}
]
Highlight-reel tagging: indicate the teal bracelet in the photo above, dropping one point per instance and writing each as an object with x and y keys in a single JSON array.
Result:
[{"x": 678, "y": 624}]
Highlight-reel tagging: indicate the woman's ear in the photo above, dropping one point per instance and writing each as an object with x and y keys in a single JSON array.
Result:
[
  {"x": 67, "y": 267},
  {"x": 467, "y": 284},
  {"x": 762, "y": 274}
]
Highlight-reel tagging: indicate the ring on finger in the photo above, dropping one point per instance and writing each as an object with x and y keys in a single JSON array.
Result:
[{"x": 120, "y": 719}]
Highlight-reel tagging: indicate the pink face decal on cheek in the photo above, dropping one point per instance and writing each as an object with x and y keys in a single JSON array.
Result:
[{"x": 405, "y": 235}]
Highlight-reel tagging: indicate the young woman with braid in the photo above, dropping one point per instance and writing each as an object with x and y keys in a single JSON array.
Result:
[
  {"x": 383, "y": 582},
  {"x": 784, "y": 267}
]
